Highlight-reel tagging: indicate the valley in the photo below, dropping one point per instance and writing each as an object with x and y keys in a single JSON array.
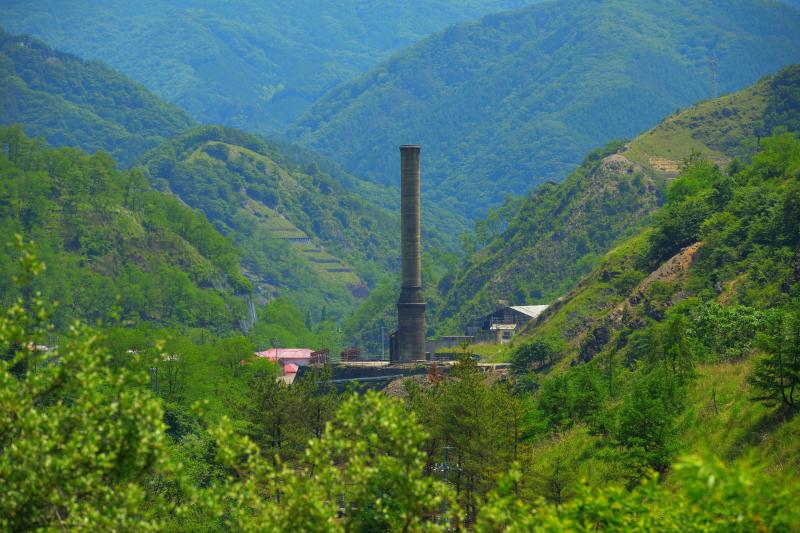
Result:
[{"x": 570, "y": 301}]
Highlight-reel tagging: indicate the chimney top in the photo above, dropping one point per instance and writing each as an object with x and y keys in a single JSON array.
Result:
[{"x": 409, "y": 146}]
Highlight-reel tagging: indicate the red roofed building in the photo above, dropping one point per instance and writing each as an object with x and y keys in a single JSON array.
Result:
[{"x": 284, "y": 356}]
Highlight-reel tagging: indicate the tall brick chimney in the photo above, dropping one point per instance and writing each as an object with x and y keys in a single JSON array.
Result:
[{"x": 411, "y": 305}]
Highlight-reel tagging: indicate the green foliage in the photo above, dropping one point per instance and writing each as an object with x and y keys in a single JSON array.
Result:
[
  {"x": 368, "y": 464},
  {"x": 78, "y": 439},
  {"x": 478, "y": 426},
  {"x": 704, "y": 495},
  {"x": 727, "y": 333},
  {"x": 81, "y": 104},
  {"x": 104, "y": 233},
  {"x": 646, "y": 424},
  {"x": 517, "y": 98},
  {"x": 776, "y": 377},
  {"x": 537, "y": 352},
  {"x": 678, "y": 224},
  {"x": 283, "y": 419}
]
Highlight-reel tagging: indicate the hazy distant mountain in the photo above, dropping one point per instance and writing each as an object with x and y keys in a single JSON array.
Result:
[
  {"x": 244, "y": 63},
  {"x": 80, "y": 103},
  {"x": 505, "y": 103}
]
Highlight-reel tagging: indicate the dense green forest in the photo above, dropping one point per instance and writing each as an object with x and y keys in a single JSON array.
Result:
[
  {"x": 505, "y": 103},
  {"x": 73, "y": 102},
  {"x": 560, "y": 231},
  {"x": 701, "y": 356},
  {"x": 242, "y": 64}
]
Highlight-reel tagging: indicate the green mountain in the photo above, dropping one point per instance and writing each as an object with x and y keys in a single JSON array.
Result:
[
  {"x": 73, "y": 102},
  {"x": 507, "y": 102},
  {"x": 560, "y": 232},
  {"x": 245, "y": 63},
  {"x": 104, "y": 234},
  {"x": 683, "y": 339},
  {"x": 301, "y": 232}
]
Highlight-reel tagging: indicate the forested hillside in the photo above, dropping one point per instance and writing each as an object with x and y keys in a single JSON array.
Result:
[
  {"x": 680, "y": 417},
  {"x": 302, "y": 233},
  {"x": 517, "y": 98},
  {"x": 684, "y": 339},
  {"x": 106, "y": 234},
  {"x": 243, "y": 63},
  {"x": 560, "y": 231},
  {"x": 79, "y": 103}
]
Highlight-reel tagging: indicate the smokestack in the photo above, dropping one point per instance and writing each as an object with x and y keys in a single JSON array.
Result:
[{"x": 411, "y": 305}]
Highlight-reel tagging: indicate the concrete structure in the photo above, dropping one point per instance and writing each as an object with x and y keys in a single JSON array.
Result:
[
  {"x": 409, "y": 342},
  {"x": 501, "y": 325}
]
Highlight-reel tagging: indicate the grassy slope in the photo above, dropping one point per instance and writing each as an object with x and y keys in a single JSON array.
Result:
[
  {"x": 718, "y": 416},
  {"x": 263, "y": 201}
]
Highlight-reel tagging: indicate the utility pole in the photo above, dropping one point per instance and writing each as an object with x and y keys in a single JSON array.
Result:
[
  {"x": 383, "y": 344},
  {"x": 713, "y": 63}
]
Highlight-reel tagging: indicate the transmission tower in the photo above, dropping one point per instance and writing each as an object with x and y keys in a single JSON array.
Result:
[{"x": 713, "y": 63}]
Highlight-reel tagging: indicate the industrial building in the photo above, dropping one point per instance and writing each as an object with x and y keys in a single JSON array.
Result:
[{"x": 503, "y": 323}]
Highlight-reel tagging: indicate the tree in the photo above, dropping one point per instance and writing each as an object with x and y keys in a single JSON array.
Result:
[
  {"x": 538, "y": 352},
  {"x": 77, "y": 439},
  {"x": 646, "y": 424},
  {"x": 365, "y": 473},
  {"x": 776, "y": 377}
]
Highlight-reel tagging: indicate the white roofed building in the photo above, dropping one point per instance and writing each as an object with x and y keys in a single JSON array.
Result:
[{"x": 501, "y": 325}]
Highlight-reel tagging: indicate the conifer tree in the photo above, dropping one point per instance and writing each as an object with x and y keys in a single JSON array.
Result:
[{"x": 776, "y": 377}]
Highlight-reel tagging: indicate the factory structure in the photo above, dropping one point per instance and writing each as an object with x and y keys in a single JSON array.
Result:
[{"x": 407, "y": 344}]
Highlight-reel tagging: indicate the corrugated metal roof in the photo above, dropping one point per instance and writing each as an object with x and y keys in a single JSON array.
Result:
[{"x": 531, "y": 310}]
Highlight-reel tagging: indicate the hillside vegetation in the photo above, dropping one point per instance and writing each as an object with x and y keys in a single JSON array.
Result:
[
  {"x": 85, "y": 104},
  {"x": 106, "y": 234},
  {"x": 517, "y": 98},
  {"x": 302, "y": 233},
  {"x": 684, "y": 338},
  {"x": 244, "y": 64},
  {"x": 559, "y": 232}
]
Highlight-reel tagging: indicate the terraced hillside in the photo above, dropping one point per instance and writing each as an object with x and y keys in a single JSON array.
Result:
[{"x": 302, "y": 233}]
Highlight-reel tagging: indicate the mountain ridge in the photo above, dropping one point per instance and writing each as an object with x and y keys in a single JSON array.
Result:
[
  {"x": 560, "y": 231},
  {"x": 502, "y": 104}
]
